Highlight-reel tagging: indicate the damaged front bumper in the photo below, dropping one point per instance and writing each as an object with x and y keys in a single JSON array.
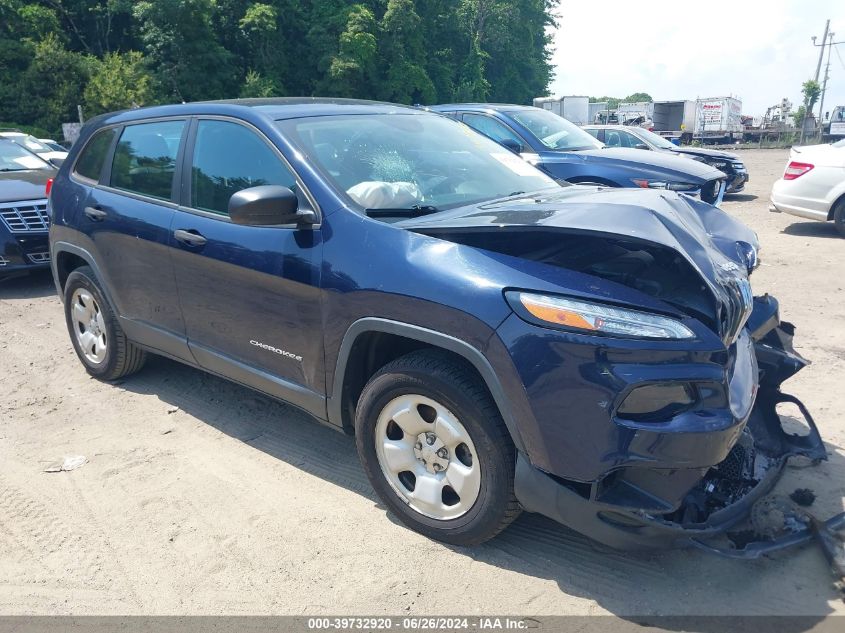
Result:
[{"x": 719, "y": 499}]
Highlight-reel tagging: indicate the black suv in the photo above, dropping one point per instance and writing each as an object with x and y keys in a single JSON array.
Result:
[
  {"x": 494, "y": 340},
  {"x": 24, "y": 178}
]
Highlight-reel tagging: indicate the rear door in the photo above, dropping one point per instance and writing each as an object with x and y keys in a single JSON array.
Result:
[
  {"x": 127, "y": 217},
  {"x": 250, "y": 294}
]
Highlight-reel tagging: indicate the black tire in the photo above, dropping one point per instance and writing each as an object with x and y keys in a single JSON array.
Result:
[
  {"x": 437, "y": 376},
  {"x": 839, "y": 217},
  {"x": 121, "y": 356}
]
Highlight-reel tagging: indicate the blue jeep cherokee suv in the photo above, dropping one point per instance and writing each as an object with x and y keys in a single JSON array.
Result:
[{"x": 494, "y": 340}]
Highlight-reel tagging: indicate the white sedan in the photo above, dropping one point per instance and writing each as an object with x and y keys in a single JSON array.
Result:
[
  {"x": 34, "y": 145},
  {"x": 813, "y": 184}
]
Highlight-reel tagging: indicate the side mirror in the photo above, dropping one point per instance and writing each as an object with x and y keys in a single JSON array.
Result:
[
  {"x": 640, "y": 146},
  {"x": 514, "y": 146},
  {"x": 268, "y": 205}
]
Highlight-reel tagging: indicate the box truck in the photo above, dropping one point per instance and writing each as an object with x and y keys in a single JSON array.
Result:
[
  {"x": 674, "y": 119},
  {"x": 718, "y": 119},
  {"x": 572, "y": 108}
]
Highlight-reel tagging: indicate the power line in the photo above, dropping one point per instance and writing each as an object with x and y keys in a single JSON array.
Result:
[{"x": 840, "y": 57}]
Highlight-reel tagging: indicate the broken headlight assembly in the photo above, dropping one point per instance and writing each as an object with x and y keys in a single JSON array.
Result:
[
  {"x": 586, "y": 316},
  {"x": 749, "y": 254},
  {"x": 662, "y": 184}
]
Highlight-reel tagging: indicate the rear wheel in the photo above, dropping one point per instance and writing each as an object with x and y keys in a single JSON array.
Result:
[
  {"x": 436, "y": 450},
  {"x": 94, "y": 330},
  {"x": 839, "y": 217}
]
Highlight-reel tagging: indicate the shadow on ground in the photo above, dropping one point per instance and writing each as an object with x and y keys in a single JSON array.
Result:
[
  {"x": 666, "y": 583},
  {"x": 739, "y": 197},
  {"x": 33, "y": 285},
  {"x": 812, "y": 229}
]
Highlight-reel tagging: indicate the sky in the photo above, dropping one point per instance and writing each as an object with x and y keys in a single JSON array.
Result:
[{"x": 757, "y": 50}]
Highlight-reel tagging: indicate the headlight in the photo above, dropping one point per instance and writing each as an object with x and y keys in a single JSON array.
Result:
[
  {"x": 719, "y": 164},
  {"x": 586, "y": 316},
  {"x": 749, "y": 255},
  {"x": 662, "y": 184}
]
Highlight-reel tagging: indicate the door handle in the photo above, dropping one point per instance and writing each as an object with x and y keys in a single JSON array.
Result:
[
  {"x": 191, "y": 238},
  {"x": 95, "y": 214}
]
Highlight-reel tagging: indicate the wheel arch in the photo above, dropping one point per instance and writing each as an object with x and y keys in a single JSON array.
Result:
[
  {"x": 68, "y": 257},
  {"x": 839, "y": 201},
  {"x": 370, "y": 343}
]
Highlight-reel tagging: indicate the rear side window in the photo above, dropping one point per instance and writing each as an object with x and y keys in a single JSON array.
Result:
[
  {"x": 90, "y": 162},
  {"x": 229, "y": 157},
  {"x": 145, "y": 158}
]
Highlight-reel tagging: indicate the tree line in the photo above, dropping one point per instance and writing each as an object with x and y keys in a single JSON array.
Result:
[{"x": 113, "y": 54}]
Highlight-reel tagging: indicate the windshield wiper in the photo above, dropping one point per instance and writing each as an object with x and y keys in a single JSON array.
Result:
[
  {"x": 414, "y": 211},
  {"x": 13, "y": 169}
]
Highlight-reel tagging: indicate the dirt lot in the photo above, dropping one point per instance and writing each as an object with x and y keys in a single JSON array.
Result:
[{"x": 200, "y": 497}]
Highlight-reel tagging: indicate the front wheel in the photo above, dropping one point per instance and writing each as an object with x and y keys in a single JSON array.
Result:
[
  {"x": 436, "y": 450},
  {"x": 839, "y": 218}
]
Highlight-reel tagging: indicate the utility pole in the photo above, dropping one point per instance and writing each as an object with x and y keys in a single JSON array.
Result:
[
  {"x": 821, "y": 53},
  {"x": 824, "y": 85},
  {"x": 818, "y": 70}
]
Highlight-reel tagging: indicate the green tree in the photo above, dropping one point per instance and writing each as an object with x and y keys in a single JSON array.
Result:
[
  {"x": 811, "y": 91},
  {"x": 259, "y": 26},
  {"x": 637, "y": 97},
  {"x": 118, "y": 81},
  {"x": 404, "y": 78},
  {"x": 179, "y": 38},
  {"x": 612, "y": 102},
  {"x": 255, "y": 86},
  {"x": 351, "y": 69},
  {"x": 52, "y": 85}
]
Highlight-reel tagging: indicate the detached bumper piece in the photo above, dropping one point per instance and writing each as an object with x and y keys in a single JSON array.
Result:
[{"x": 721, "y": 500}]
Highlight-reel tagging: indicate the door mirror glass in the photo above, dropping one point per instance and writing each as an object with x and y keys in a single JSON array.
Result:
[{"x": 267, "y": 205}]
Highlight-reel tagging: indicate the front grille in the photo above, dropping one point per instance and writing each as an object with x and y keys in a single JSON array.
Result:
[
  {"x": 39, "y": 258},
  {"x": 27, "y": 216}
]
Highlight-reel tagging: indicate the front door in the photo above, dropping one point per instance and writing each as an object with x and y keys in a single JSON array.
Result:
[{"x": 250, "y": 295}]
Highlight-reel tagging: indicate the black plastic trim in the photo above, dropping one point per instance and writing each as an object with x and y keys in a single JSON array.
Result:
[{"x": 431, "y": 337}]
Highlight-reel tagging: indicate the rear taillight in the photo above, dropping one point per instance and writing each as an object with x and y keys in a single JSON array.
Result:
[
  {"x": 795, "y": 169},
  {"x": 48, "y": 187}
]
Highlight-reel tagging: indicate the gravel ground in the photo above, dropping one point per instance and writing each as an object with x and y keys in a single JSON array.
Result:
[{"x": 201, "y": 497}]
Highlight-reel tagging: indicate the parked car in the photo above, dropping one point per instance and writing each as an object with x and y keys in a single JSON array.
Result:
[
  {"x": 566, "y": 152},
  {"x": 813, "y": 184},
  {"x": 53, "y": 145},
  {"x": 31, "y": 143},
  {"x": 640, "y": 138},
  {"x": 23, "y": 210},
  {"x": 494, "y": 340}
]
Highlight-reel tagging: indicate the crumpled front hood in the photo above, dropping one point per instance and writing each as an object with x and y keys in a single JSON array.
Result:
[
  {"x": 703, "y": 151},
  {"x": 706, "y": 235},
  {"x": 701, "y": 234},
  {"x": 635, "y": 158}
]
